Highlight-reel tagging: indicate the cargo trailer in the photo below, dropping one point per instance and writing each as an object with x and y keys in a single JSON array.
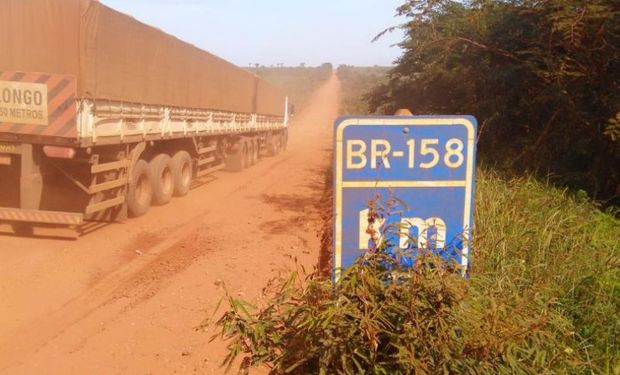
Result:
[{"x": 102, "y": 116}]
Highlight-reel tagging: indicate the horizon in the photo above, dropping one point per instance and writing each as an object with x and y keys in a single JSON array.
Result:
[{"x": 271, "y": 33}]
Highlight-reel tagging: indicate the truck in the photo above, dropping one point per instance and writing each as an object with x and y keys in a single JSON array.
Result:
[{"x": 102, "y": 116}]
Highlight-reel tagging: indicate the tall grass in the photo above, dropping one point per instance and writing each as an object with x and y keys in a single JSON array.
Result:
[
  {"x": 543, "y": 298},
  {"x": 356, "y": 84},
  {"x": 543, "y": 243}
]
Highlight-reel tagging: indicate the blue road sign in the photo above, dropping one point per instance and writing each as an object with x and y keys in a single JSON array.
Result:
[{"x": 427, "y": 163}]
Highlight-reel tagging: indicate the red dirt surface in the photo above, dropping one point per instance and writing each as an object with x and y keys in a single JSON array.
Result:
[{"x": 126, "y": 298}]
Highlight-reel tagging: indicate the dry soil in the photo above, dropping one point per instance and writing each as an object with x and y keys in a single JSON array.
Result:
[{"x": 126, "y": 298}]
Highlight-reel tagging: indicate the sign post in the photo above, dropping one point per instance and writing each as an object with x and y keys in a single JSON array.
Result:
[{"x": 426, "y": 162}]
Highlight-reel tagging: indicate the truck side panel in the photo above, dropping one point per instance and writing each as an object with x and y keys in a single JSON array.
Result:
[
  {"x": 269, "y": 99},
  {"x": 40, "y": 36},
  {"x": 158, "y": 70},
  {"x": 91, "y": 100},
  {"x": 118, "y": 58}
]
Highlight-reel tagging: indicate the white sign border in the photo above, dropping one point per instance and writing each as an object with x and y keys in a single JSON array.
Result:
[{"x": 401, "y": 121}]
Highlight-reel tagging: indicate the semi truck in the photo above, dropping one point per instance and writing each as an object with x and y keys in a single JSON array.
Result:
[{"x": 102, "y": 116}]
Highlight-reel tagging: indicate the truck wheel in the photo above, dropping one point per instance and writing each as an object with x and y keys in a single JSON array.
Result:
[
  {"x": 256, "y": 150},
  {"x": 23, "y": 229},
  {"x": 162, "y": 179},
  {"x": 251, "y": 152},
  {"x": 278, "y": 142},
  {"x": 140, "y": 191},
  {"x": 247, "y": 154},
  {"x": 235, "y": 161},
  {"x": 272, "y": 145},
  {"x": 182, "y": 172},
  {"x": 283, "y": 140}
]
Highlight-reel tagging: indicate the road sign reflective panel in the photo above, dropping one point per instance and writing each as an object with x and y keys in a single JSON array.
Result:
[{"x": 427, "y": 164}]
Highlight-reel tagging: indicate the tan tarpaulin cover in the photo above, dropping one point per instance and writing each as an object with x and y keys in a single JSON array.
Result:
[{"x": 116, "y": 57}]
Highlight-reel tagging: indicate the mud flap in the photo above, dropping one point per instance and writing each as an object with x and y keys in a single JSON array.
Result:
[{"x": 31, "y": 179}]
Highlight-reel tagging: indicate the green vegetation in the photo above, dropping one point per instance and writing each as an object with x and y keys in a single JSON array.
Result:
[
  {"x": 545, "y": 245},
  {"x": 543, "y": 298},
  {"x": 543, "y": 77},
  {"x": 298, "y": 82},
  {"x": 543, "y": 295},
  {"x": 356, "y": 84}
]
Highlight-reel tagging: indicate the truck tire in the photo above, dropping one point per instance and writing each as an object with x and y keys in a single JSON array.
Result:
[
  {"x": 247, "y": 153},
  {"x": 235, "y": 162},
  {"x": 140, "y": 191},
  {"x": 283, "y": 140},
  {"x": 182, "y": 172},
  {"x": 252, "y": 151},
  {"x": 272, "y": 145},
  {"x": 23, "y": 229},
  {"x": 256, "y": 150},
  {"x": 162, "y": 179},
  {"x": 278, "y": 141},
  {"x": 251, "y": 160}
]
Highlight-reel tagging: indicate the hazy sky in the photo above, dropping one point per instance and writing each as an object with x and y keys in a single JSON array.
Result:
[{"x": 277, "y": 31}]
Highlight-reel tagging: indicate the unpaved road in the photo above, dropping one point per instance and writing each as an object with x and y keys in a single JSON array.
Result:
[{"x": 126, "y": 298}]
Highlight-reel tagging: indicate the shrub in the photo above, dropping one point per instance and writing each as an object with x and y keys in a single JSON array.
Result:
[{"x": 543, "y": 298}]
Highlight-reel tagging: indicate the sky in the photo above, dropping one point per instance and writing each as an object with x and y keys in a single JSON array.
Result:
[{"x": 270, "y": 32}]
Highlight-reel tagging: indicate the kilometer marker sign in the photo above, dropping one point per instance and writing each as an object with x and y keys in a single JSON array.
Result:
[{"x": 426, "y": 162}]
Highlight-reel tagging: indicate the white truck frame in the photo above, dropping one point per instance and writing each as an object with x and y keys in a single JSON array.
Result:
[{"x": 119, "y": 146}]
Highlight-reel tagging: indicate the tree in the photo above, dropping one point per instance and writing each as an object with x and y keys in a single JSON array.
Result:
[
  {"x": 327, "y": 66},
  {"x": 543, "y": 77}
]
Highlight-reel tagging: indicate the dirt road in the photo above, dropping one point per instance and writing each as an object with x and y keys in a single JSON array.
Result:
[{"x": 126, "y": 298}]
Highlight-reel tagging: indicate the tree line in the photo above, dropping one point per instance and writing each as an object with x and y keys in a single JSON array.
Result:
[{"x": 541, "y": 76}]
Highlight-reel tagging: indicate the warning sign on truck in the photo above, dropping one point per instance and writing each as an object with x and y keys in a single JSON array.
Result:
[{"x": 23, "y": 103}]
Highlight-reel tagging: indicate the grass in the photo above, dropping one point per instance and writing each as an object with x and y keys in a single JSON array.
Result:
[
  {"x": 543, "y": 298},
  {"x": 534, "y": 239},
  {"x": 357, "y": 82}
]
